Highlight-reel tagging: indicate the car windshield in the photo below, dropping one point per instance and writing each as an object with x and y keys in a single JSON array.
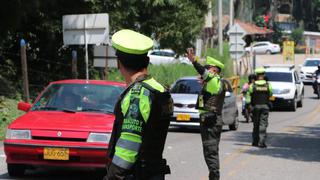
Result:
[
  {"x": 191, "y": 86},
  {"x": 279, "y": 76},
  {"x": 79, "y": 98},
  {"x": 312, "y": 63}
]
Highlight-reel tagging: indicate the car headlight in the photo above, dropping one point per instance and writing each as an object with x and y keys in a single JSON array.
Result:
[
  {"x": 18, "y": 134},
  {"x": 99, "y": 137},
  {"x": 284, "y": 91}
]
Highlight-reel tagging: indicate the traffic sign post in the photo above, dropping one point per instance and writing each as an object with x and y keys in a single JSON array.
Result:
[
  {"x": 236, "y": 43},
  {"x": 84, "y": 29}
]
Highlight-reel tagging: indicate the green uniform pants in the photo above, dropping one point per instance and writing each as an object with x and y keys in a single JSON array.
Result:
[
  {"x": 260, "y": 123},
  {"x": 210, "y": 134}
]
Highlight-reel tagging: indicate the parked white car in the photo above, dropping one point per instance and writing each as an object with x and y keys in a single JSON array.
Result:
[
  {"x": 263, "y": 47},
  {"x": 287, "y": 87},
  {"x": 308, "y": 68},
  {"x": 166, "y": 56}
]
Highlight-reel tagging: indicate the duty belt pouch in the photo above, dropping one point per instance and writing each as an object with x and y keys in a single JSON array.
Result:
[{"x": 209, "y": 118}]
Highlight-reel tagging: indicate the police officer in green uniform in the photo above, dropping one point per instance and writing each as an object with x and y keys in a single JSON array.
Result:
[
  {"x": 142, "y": 114},
  {"x": 259, "y": 94},
  {"x": 210, "y": 102}
]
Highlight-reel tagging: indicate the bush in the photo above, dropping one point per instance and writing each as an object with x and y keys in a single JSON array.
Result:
[{"x": 297, "y": 36}]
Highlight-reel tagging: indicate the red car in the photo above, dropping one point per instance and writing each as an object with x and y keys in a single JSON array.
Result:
[{"x": 68, "y": 125}]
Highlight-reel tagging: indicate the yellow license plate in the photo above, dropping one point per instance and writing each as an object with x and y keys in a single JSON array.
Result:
[
  {"x": 183, "y": 117},
  {"x": 56, "y": 153},
  {"x": 272, "y": 98}
]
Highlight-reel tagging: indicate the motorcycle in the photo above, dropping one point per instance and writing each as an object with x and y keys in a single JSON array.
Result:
[
  {"x": 317, "y": 86},
  {"x": 246, "y": 110}
]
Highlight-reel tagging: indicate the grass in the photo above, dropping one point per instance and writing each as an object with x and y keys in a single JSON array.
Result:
[
  {"x": 165, "y": 74},
  {"x": 225, "y": 59},
  {"x": 168, "y": 74},
  {"x": 8, "y": 113}
]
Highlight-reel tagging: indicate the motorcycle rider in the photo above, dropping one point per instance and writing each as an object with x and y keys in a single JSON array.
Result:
[
  {"x": 244, "y": 91},
  {"x": 315, "y": 83}
]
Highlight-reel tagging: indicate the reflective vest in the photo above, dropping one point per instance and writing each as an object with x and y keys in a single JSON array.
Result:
[
  {"x": 260, "y": 91},
  {"x": 143, "y": 114},
  {"x": 212, "y": 94}
]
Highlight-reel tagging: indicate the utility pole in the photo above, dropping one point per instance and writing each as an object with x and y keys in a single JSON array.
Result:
[
  {"x": 220, "y": 28},
  {"x": 74, "y": 65},
  {"x": 86, "y": 48},
  {"x": 106, "y": 66},
  {"x": 24, "y": 70},
  {"x": 231, "y": 14}
]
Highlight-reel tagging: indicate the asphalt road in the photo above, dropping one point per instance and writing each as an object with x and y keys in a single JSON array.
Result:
[{"x": 292, "y": 153}]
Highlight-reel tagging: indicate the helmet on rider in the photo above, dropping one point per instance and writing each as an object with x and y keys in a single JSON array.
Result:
[{"x": 251, "y": 78}]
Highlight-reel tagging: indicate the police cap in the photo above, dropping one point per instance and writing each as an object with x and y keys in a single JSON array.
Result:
[
  {"x": 131, "y": 42},
  {"x": 260, "y": 70},
  {"x": 214, "y": 62}
]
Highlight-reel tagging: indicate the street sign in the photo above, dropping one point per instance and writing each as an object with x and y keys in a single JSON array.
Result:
[
  {"x": 85, "y": 28},
  {"x": 236, "y": 43},
  {"x": 103, "y": 54},
  {"x": 288, "y": 50}
]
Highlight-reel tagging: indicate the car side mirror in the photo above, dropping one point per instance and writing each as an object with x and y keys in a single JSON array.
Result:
[
  {"x": 24, "y": 106},
  {"x": 228, "y": 94}
]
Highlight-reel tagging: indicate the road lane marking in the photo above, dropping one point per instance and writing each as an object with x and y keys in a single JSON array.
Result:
[{"x": 239, "y": 151}]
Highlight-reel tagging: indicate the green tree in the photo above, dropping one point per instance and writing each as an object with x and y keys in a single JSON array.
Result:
[
  {"x": 297, "y": 35},
  {"x": 174, "y": 23}
]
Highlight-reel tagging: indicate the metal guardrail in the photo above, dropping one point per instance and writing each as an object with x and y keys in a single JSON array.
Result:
[{"x": 235, "y": 81}]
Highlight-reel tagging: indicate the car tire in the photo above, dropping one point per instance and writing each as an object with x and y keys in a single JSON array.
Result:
[
  {"x": 294, "y": 105},
  {"x": 268, "y": 52},
  {"x": 235, "y": 125},
  {"x": 16, "y": 170},
  {"x": 300, "y": 103}
]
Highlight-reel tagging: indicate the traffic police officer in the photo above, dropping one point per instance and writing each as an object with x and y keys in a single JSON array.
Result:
[
  {"x": 142, "y": 114},
  {"x": 210, "y": 102},
  {"x": 259, "y": 94}
]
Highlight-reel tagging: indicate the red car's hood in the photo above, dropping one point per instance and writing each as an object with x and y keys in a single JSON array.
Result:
[{"x": 56, "y": 120}]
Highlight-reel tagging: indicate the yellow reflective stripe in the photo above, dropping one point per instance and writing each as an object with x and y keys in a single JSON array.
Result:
[
  {"x": 154, "y": 84},
  {"x": 144, "y": 105},
  {"x": 131, "y": 137},
  {"x": 125, "y": 103},
  {"x": 125, "y": 154},
  {"x": 260, "y": 82},
  {"x": 270, "y": 89}
]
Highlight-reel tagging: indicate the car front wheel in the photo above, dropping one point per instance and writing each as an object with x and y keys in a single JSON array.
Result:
[
  {"x": 16, "y": 170},
  {"x": 294, "y": 104},
  {"x": 235, "y": 125}
]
